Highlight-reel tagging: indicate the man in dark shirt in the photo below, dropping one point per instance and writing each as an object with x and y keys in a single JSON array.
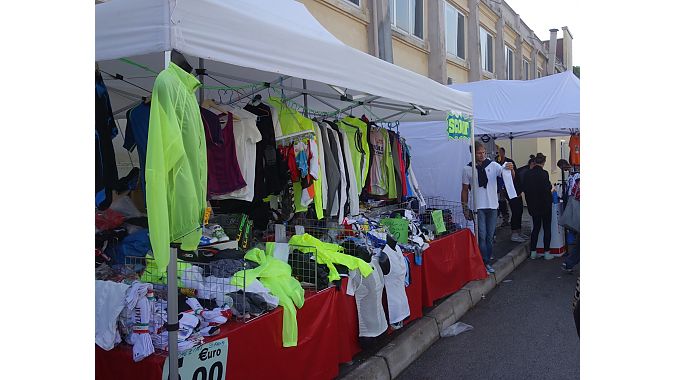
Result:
[
  {"x": 515, "y": 204},
  {"x": 538, "y": 192}
]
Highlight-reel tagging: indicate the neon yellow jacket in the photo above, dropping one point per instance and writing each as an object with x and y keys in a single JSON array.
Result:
[
  {"x": 329, "y": 254},
  {"x": 276, "y": 276},
  {"x": 176, "y": 164}
]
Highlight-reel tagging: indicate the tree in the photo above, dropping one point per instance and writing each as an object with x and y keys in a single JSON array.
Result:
[{"x": 576, "y": 71}]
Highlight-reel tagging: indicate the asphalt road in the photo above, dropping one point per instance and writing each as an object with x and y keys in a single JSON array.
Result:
[{"x": 524, "y": 329}]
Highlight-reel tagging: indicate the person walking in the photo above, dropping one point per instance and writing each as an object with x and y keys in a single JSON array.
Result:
[
  {"x": 538, "y": 192},
  {"x": 503, "y": 211},
  {"x": 486, "y": 197},
  {"x": 515, "y": 204}
]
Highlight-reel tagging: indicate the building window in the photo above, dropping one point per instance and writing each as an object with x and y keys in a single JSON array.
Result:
[
  {"x": 455, "y": 32},
  {"x": 509, "y": 63},
  {"x": 486, "y": 50},
  {"x": 407, "y": 16},
  {"x": 355, "y": 2},
  {"x": 539, "y": 73},
  {"x": 526, "y": 70}
]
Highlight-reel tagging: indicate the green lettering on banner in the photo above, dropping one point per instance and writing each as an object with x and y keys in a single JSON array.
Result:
[
  {"x": 438, "y": 219},
  {"x": 397, "y": 227},
  {"x": 458, "y": 126},
  {"x": 205, "y": 362}
]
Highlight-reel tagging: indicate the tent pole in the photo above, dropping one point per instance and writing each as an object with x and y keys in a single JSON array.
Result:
[
  {"x": 474, "y": 187},
  {"x": 201, "y": 77},
  {"x": 172, "y": 294},
  {"x": 511, "y": 146},
  {"x": 305, "y": 97}
]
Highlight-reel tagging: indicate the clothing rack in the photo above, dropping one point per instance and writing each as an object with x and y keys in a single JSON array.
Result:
[{"x": 293, "y": 137}]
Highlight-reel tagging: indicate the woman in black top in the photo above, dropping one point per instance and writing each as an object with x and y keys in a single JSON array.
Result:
[{"x": 538, "y": 192}]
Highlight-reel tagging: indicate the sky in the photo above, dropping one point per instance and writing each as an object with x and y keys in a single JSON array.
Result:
[{"x": 542, "y": 15}]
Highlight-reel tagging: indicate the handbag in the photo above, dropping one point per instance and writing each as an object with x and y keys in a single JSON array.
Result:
[{"x": 571, "y": 215}]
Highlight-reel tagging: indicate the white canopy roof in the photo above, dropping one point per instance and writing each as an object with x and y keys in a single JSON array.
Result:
[
  {"x": 261, "y": 40},
  {"x": 547, "y": 106}
]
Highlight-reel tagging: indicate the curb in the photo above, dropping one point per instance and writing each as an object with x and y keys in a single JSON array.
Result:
[{"x": 393, "y": 359}]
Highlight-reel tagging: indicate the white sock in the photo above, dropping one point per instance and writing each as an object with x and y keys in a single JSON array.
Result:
[{"x": 143, "y": 344}]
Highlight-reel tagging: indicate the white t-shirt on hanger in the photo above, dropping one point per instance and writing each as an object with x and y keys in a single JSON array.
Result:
[{"x": 368, "y": 294}]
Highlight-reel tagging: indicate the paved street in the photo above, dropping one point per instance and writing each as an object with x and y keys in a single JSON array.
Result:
[{"x": 524, "y": 329}]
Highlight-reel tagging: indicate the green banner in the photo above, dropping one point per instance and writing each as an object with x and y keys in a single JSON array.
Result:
[{"x": 458, "y": 126}]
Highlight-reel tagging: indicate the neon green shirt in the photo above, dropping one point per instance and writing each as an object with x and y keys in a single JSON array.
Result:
[
  {"x": 329, "y": 254},
  {"x": 176, "y": 164},
  {"x": 276, "y": 276},
  {"x": 360, "y": 160}
]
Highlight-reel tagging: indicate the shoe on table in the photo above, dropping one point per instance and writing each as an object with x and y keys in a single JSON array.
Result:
[
  {"x": 489, "y": 268},
  {"x": 548, "y": 256},
  {"x": 517, "y": 239},
  {"x": 533, "y": 255}
]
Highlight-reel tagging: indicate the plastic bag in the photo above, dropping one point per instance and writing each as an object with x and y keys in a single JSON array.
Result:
[{"x": 455, "y": 329}]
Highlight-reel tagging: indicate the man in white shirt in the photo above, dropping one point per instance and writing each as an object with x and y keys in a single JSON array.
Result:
[{"x": 486, "y": 194}]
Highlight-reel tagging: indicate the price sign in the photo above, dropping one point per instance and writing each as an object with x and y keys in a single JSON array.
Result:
[
  {"x": 398, "y": 228},
  {"x": 205, "y": 362},
  {"x": 438, "y": 219}
]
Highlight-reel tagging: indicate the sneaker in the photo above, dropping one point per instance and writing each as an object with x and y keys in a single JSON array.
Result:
[
  {"x": 517, "y": 239},
  {"x": 548, "y": 256},
  {"x": 489, "y": 268},
  {"x": 215, "y": 231},
  {"x": 565, "y": 268},
  {"x": 533, "y": 255},
  {"x": 206, "y": 240}
]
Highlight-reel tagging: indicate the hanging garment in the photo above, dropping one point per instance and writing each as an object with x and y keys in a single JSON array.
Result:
[
  {"x": 276, "y": 126},
  {"x": 574, "y": 144},
  {"x": 317, "y": 180},
  {"x": 266, "y": 150},
  {"x": 329, "y": 254},
  {"x": 276, "y": 276},
  {"x": 176, "y": 164},
  {"x": 332, "y": 174},
  {"x": 335, "y": 172},
  {"x": 396, "y": 160},
  {"x": 223, "y": 174},
  {"x": 136, "y": 136},
  {"x": 368, "y": 294},
  {"x": 357, "y": 133},
  {"x": 342, "y": 198},
  {"x": 415, "y": 188},
  {"x": 353, "y": 190},
  {"x": 290, "y": 120},
  {"x": 106, "y": 130},
  {"x": 389, "y": 167},
  {"x": 397, "y": 302},
  {"x": 319, "y": 141},
  {"x": 367, "y": 186},
  {"x": 379, "y": 172},
  {"x": 246, "y": 137}
]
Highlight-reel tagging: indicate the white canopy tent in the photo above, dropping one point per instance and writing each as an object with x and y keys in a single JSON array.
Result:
[
  {"x": 543, "y": 107},
  {"x": 277, "y": 42},
  {"x": 255, "y": 45}
]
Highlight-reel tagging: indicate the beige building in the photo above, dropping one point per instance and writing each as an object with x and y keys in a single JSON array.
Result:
[{"x": 454, "y": 41}]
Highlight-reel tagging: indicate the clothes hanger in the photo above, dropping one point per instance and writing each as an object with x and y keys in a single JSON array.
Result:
[{"x": 211, "y": 103}]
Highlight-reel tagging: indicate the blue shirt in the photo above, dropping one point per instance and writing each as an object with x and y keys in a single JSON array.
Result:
[{"x": 136, "y": 136}]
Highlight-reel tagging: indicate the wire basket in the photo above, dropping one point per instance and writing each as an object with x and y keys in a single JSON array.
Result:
[
  {"x": 451, "y": 211},
  {"x": 215, "y": 284}
]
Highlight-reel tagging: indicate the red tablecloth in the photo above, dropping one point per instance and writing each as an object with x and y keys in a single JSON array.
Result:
[
  {"x": 327, "y": 324},
  {"x": 255, "y": 348},
  {"x": 414, "y": 290},
  {"x": 448, "y": 264}
]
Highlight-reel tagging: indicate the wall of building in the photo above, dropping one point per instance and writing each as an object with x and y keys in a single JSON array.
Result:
[
  {"x": 409, "y": 55},
  {"x": 345, "y": 21}
]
